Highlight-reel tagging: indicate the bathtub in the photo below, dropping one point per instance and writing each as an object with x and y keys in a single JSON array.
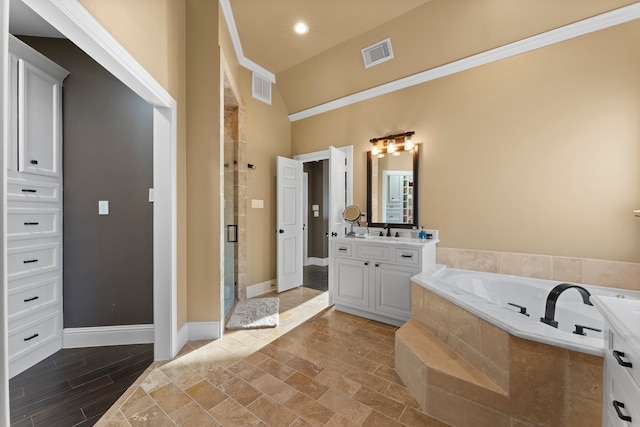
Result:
[{"x": 487, "y": 295}]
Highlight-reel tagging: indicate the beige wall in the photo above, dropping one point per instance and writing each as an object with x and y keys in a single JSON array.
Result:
[
  {"x": 536, "y": 154},
  {"x": 203, "y": 161},
  {"x": 436, "y": 33},
  {"x": 153, "y": 31}
]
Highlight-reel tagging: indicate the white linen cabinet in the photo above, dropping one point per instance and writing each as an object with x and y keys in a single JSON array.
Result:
[{"x": 34, "y": 207}]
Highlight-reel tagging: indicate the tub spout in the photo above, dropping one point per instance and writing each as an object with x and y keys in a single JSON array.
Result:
[{"x": 552, "y": 298}]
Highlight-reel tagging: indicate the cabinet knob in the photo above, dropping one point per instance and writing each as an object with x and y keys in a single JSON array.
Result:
[
  {"x": 366, "y": 263},
  {"x": 34, "y": 162},
  {"x": 377, "y": 265}
]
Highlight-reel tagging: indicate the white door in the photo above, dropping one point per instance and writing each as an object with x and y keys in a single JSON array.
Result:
[
  {"x": 289, "y": 223},
  {"x": 337, "y": 191}
]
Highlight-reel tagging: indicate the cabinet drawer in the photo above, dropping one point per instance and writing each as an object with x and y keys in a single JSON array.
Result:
[
  {"x": 342, "y": 249},
  {"x": 32, "y": 260},
  {"x": 23, "y": 223},
  {"x": 371, "y": 252},
  {"x": 27, "y": 337},
  {"x": 21, "y": 190},
  {"x": 621, "y": 355},
  {"x": 408, "y": 256},
  {"x": 621, "y": 388},
  {"x": 31, "y": 298}
]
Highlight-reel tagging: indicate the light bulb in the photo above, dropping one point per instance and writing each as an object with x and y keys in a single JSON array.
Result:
[
  {"x": 391, "y": 146},
  {"x": 408, "y": 144},
  {"x": 375, "y": 151},
  {"x": 301, "y": 28}
]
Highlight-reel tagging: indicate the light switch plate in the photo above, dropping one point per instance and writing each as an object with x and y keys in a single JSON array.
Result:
[
  {"x": 103, "y": 207},
  {"x": 316, "y": 213},
  {"x": 257, "y": 204},
  {"x": 315, "y": 207}
]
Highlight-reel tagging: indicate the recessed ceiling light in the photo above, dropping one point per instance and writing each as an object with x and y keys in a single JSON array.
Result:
[{"x": 301, "y": 28}]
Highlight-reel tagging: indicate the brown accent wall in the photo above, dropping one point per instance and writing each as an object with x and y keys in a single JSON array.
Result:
[
  {"x": 318, "y": 194},
  {"x": 154, "y": 32},
  {"x": 537, "y": 154}
]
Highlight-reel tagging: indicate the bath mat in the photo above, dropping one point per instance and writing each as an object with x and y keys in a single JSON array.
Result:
[{"x": 255, "y": 314}]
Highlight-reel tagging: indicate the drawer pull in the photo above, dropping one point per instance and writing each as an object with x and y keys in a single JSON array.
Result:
[
  {"x": 619, "y": 355},
  {"x": 29, "y": 190},
  {"x": 31, "y": 299},
  {"x": 31, "y": 337},
  {"x": 617, "y": 405},
  {"x": 34, "y": 162},
  {"x": 29, "y": 261},
  {"x": 31, "y": 223},
  {"x": 406, "y": 256},
  {"x": 342, "y": 249}
]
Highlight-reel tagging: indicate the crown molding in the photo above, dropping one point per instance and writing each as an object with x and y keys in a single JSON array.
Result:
[
  {"x": 567, "y": 32},
  {"x": 237, "y": 45}
]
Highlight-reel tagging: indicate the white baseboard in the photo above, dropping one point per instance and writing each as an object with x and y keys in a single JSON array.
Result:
[
  {"x": 261, "y": 288},
  {"x": 322, "y": 262},
  {"x": 107, "y": 335},
  {"x": 203, "y": 330}
]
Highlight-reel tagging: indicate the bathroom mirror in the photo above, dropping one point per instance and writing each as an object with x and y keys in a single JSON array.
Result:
[{"x": 392, "y": 189}]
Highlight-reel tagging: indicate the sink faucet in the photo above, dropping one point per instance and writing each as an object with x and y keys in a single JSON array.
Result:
[
  {"x": 550, "y": 310},
  {"x": 388, "y": 228}
]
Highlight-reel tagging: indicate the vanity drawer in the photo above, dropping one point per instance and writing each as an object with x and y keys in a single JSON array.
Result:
[
  {"x": 34, "y": 191},
  {"x": 621, "y": 356},
  {"x": 373, "y": 252},
  {"x": 31, "y": 298},
  {"x": 31, "y": 260},
  {"x": 342, "y": 249},
  {"x": 408, "y": 256},
  {"x": 26, "y": 223},
  {"x": 26, "y": 338},
  {"x": 622, "y": 390}
]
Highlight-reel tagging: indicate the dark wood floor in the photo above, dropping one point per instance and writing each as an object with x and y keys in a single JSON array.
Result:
[
  {"x": 315, "y": 277},
  {"x": 74, "y": 387}
]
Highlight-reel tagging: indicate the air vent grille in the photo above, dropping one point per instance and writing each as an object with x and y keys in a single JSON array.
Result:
[
  {"x": 261, "y": 88},
  {"x": 377, "y": 53}
]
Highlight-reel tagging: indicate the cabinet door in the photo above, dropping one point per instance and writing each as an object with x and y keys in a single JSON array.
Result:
[
  {"x": 352, "y": 282},
  {"x": 39, "y": 121},
  {"x": 393, "y": 290}
]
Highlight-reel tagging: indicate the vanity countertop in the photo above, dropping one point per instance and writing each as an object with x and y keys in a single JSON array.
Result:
[
  {"x": 404, "y": 241},
  {"x": 623, "y": 314}
]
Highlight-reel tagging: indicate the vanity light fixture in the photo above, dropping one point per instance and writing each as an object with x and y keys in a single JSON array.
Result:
[{"x": 392, "y": 144}]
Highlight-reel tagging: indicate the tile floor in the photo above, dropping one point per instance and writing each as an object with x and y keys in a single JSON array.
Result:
[{"x": 318, "y": 367}]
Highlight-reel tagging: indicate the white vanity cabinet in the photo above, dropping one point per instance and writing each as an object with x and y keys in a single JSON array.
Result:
[
  {"x": 34, "y": 207},
  {"x": 370, "y": 277},
  {"x": 621, "y": 391}
]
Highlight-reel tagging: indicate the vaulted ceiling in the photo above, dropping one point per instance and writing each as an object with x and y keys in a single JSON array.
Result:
[{"x": 266, "y": 27}]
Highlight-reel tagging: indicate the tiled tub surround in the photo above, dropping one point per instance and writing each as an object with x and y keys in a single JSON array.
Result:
[
  {"x": 597, "y": 272},
  {"x": 520, "y": 382},
  {"x": 465, "y": 371}
]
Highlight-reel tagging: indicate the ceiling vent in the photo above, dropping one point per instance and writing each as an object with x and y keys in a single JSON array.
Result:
[
  {"x": 261, "y": 88},
  {"x": 377, "y": 53}
]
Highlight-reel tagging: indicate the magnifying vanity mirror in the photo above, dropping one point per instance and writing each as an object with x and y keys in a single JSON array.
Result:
[
  {"x": 351, "y": 215},
  {"x": 392, "y": 189}
]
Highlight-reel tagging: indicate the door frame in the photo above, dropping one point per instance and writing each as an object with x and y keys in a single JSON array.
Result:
[
  {"x": 72, "y": 20},
  {"x": 324, "y": 155}
]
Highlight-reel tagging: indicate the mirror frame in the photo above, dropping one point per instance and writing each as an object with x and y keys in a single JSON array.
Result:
[{"x": 416, "y": 193}]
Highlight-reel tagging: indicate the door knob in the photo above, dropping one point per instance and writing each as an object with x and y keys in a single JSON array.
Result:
[
  {"x": 281, "y": 231},
  {"x": 334, "y": 234}
]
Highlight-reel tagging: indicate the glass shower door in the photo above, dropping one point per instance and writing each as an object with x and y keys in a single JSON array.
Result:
[{"x": 230, "y": 209}]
